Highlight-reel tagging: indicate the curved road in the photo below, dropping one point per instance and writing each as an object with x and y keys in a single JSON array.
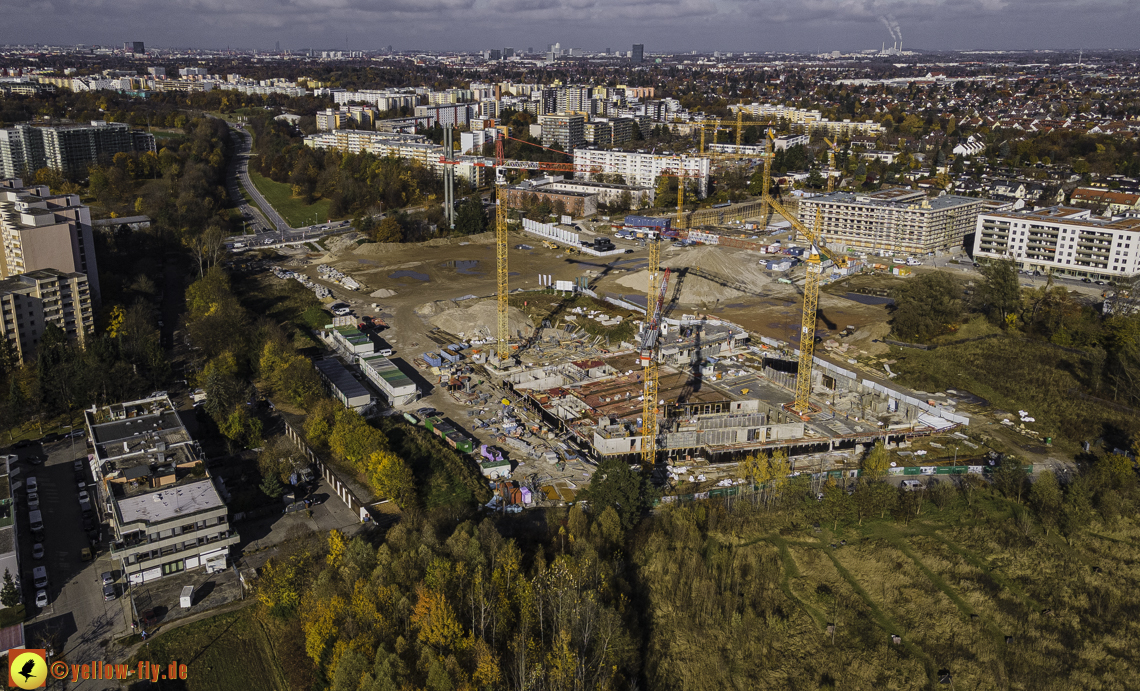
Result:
[{"x": 266, "y": 218}]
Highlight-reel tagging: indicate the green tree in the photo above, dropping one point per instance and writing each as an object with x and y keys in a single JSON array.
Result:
[
  {"x": 926, "y": 306},
  {"x": 999, "y": 293},
  {"x": 470, "y": 219},
  {"x": 9, "y": 594},
  {"x": 1009, "y": 478},
  {"x": 272, "y": 487},
  {"x": 618, "y": 485}
]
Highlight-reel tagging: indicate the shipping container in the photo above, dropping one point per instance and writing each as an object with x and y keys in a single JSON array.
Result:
[{"x": 433, "y": 360}]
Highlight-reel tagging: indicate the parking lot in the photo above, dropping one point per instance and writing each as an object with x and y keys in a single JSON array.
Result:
[{"x": 77, "y": 623}]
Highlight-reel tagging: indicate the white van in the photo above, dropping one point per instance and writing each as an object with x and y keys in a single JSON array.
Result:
[
  {"x": 35, "y": 520},
  {"x": 911, "y": 485},
  {"x": 39, "y": 577}
]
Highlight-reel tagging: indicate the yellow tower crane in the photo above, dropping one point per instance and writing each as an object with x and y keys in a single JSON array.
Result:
[{"x": 832, "y": 147}]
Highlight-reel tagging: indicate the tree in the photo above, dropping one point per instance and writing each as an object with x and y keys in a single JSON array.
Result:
[
  {"x": 272, "y": 487},
  {"x": 876, "y": 462},
  {"x": 999, "y": 294},
  {"x": 926, "y": 306},
  {"x": 436, "y": 620},
  {"x": 388, "y": 230},
  {"x": 9, "y": 594},
  {"x": 470, "y": 219},
  {"x": 616, "y": 484},
  {"x": 836, "y": 502},
  {"x": 1009, "y": 478},
  {"x": 391, "y": 477}
]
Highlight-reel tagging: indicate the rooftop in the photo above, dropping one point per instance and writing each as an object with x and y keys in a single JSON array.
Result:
[
  {"x": 339, "y": 376},
  {"x": 168, "y": 503},
  {"x": 895, "y": 198}
]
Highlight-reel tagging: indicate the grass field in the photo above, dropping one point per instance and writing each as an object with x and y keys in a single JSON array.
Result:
[
  {"x": 295, "y": 211},
  {"x": 229, "y": 651}
]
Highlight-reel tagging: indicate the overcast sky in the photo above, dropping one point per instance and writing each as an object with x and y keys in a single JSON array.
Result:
[{"x": 662, "y": 25}]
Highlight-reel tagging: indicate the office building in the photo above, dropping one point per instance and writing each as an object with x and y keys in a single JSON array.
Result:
[
  {"x": 1061, "y": 240},
  {"x": 567, "y": 130},
  {"x": 166, "y": 513},
  {"x": 638, "y": 54},
  {"x": 135, "y": 47},
  {"x": 30, "y": 302},
  {"x": 643, "y": 169},
  {"x": 70, "y": 149},
  {"x": 893, "y": 219},
  {"x": 40, "y": 230}
]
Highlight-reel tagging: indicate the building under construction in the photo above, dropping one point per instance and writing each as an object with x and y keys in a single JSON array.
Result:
[{"x": 893, "y": 219}]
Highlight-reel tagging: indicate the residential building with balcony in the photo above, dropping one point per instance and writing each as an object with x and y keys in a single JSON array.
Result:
[
  {"x": 41, "y": 230},
  {"x": 167, "y": 513},
  {"x": 893, "y": 219},
  {"x": 32, "y": 301},
  {"x": 1061, "y": 240},
  {"x": 70, "y": 149},
  {"x": 567, "y": 130},
  {"x": 642, "y": 169}
]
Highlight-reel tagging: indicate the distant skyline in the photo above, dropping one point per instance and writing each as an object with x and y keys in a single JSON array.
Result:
[{"x": 662, "y": 25}]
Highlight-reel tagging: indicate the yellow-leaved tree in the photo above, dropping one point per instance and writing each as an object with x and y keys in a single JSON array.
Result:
[{"x": 436, "y": 621}]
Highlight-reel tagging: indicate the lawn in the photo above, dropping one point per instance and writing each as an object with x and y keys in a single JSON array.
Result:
[
  {"x": 228, "y": 651},
  {"x": 295, "y": 211}
]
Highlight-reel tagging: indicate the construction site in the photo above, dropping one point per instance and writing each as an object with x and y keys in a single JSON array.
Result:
[{"x": 679, "y": 347}]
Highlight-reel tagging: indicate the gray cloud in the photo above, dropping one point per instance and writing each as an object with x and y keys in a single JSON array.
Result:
[{"x": 740, "y": 25}]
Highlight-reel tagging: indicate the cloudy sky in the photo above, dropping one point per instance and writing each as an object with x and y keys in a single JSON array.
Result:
[{"x": 665, "y": 25}]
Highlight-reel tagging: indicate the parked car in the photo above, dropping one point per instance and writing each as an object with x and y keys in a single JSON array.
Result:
[
  {"x": 38, "y": 550},
  {"x": 85, "y": 554},
  {"x": 77, "y": 465},
  {"x": 108, "y": 593},
  {"x": 32, "y": 484},
  {"x": 911, "y": 485},
  {"x": 40, "y": 577},
  {"x": 41, "y": 599},
  {"x": 33, "y": 500},
  {"x": 108, "y": 577},
  {"x": 84, "y": 496}
]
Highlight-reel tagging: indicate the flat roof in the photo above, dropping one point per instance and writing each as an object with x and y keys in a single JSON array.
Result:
[
  {"x": 168, "y": 503},
  {"x": 341, "y": 379},
  {"x": 911, "y": 200},
  {"x": 387, "y": 370}
]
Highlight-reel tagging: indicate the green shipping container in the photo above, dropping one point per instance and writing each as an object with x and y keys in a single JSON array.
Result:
[
  {"x": 912, "y": 470},
  {"x": 943, "y": 470},
  {"x": 960, "y": 469}
]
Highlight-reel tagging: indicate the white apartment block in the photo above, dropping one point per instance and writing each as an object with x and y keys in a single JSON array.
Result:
[
  {"x": 384, "y": 100},
  {"x": 1063, "y": 240},
  {"x": 30, "y": 302},
  {"x": 810, "y": 120},
  {"x": 412, "y": 147},
  {"x": 894, "y": 219},
  {"x": 642, "y": 169}
]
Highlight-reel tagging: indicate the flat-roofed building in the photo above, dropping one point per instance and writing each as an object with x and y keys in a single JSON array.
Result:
[
  {"x": 167, "y": 514},
  {"x": 396, "y": 386},
  {"x": 567, "y": 130},
  {"x": 1061, "y": 240},
  {"x": 893, "y": 219},
  {"x": 41, "y": 230},
  {"x": 31, "y": 302},
  {"x": 70, "y": 149},
  {"x": 342, "y": 385},
  {"x": 643, "y": 168}
]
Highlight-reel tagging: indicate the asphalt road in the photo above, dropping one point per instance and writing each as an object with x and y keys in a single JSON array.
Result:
[{"x": 266, "y": 219}]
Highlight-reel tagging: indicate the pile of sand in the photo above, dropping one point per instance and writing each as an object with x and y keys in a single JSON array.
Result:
[
  {"x": 474, "y": 320},
  {"x": 384, "y": 293},
  {"x": 732, "y": 265}
]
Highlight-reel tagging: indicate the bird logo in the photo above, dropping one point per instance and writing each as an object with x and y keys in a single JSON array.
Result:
[{"x": 27, "y": 669}]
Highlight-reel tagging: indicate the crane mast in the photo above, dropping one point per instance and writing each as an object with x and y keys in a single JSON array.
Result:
[
  {"x": 501, "y": 259},
  {"x": 650, "y": 347}
]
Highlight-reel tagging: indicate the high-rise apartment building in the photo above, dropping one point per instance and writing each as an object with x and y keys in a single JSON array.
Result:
[
  {"x": 893, "y": 219},
  {"x": 642, "y": 169},
  {"x": 70, "y": 149},
  {"x": 31, "y": 302},
  {"x": 1061, "y": 240},
  {"x": 567, "y": 130},
  {"x": 638, "y": 54},
  {"x": 40, "y": 230}
]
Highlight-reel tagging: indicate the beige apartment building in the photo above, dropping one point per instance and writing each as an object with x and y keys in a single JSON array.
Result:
[
  {"x": 30, "y": 302},
  {"x": 41, "y": 230}
]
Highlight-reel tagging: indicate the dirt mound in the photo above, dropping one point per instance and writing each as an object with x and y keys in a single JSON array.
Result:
[
  {"x": 378, "y": 249},
  {"x": 731, "y": 266},
  {"x": 384, "y": 293},
  {"x": 473, "y": 321},
  {"x": 862, "y": 338}
]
